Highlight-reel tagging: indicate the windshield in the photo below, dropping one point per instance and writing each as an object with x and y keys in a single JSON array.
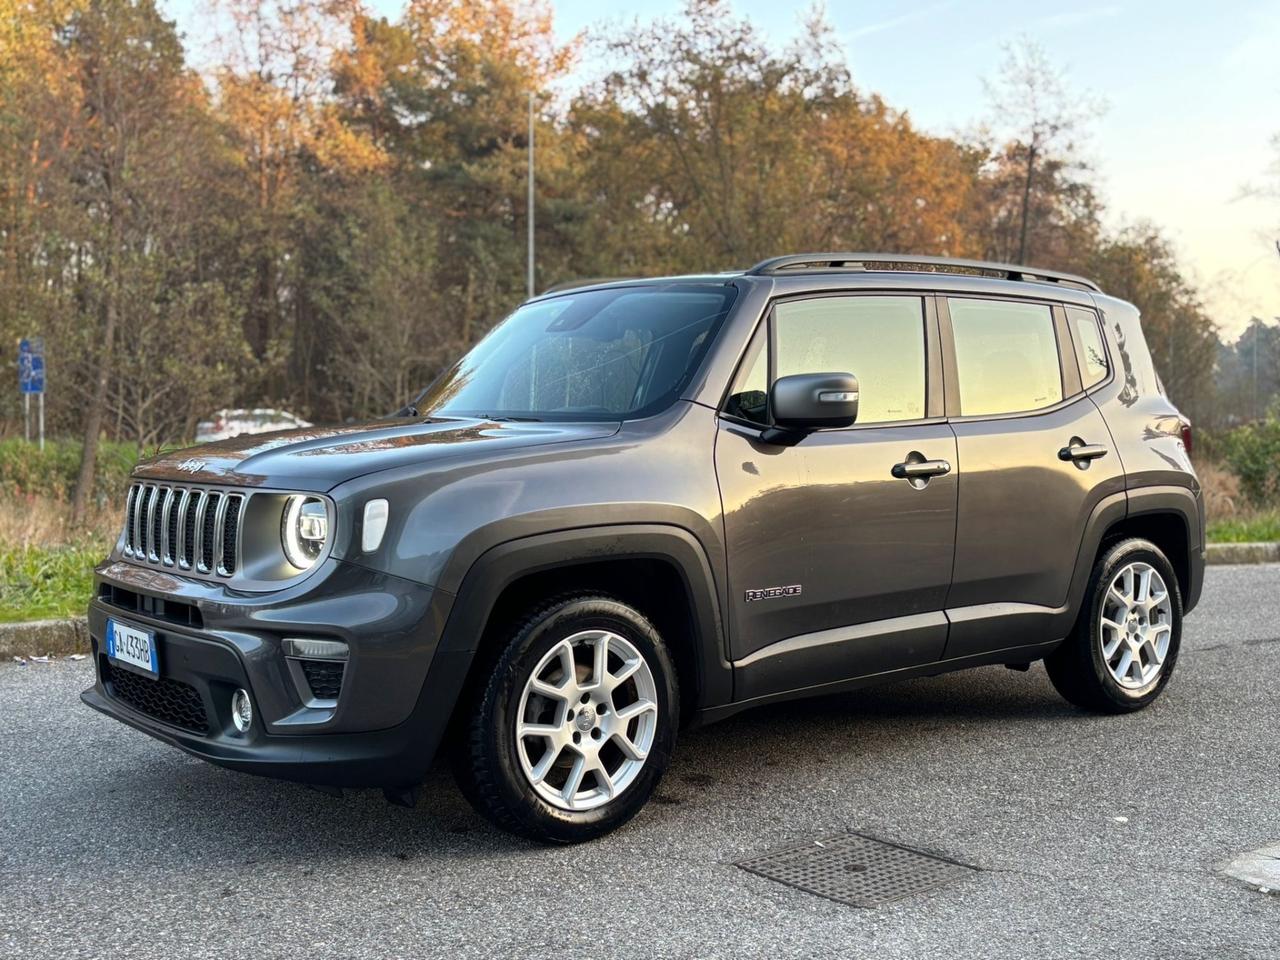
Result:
[{"x": 597, "y": 355}]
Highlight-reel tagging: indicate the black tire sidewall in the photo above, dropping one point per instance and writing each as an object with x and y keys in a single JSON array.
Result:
[
  {"x": 535, "y": 816},
  {"x": 1124, "y": 553}
]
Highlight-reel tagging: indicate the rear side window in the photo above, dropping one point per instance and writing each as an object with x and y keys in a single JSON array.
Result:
[
  {"x": 1006, "y": 356},
  {"x": 1090, "y": 352},
  {"x": 880, "y": 340}
]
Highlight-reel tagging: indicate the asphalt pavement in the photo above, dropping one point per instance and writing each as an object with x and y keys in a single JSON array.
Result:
[{"x": 1095, "y": 837}]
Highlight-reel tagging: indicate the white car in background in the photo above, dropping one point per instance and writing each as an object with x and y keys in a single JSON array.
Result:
[{"x": 232, "y": 423}]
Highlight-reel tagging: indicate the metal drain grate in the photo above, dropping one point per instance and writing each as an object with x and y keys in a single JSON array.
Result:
[{"x": 856, "y": 870}]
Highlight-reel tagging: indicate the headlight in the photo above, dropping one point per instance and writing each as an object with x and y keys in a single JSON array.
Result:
[{"x": 304, "y": 530}]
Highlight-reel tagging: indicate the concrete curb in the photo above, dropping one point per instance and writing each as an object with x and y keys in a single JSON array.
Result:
[
  {"x": 41, "y": 637},
  {"x": 71, "y": 635},
  {"x": 1243, "y": 553}
]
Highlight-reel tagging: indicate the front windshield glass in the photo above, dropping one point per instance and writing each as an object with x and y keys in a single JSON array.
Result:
[{"x": 614, "y": 354}]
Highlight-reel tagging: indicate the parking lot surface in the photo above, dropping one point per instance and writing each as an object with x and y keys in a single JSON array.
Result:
[{"x": 1095, "y": 836}]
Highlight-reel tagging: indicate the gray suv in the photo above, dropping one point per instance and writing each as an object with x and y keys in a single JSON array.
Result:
[{"x": 639, "y": 505}]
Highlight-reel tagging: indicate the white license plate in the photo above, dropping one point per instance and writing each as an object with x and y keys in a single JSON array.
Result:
[{"x": 134, "y": 646}]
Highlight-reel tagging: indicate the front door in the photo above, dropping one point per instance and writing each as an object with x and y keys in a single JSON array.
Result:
[{"x": 839, "y": 564}]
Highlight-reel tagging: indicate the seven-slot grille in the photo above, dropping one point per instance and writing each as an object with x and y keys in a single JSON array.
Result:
[{"x": 188, "y": 528}]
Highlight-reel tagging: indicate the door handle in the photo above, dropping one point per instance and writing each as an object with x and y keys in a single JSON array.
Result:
[
  {"x": 1077, "y": 451},
  {"x": 917, "y": 469}
]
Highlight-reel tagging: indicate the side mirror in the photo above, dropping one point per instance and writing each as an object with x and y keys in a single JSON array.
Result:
[{"x": 811, "y": 401}]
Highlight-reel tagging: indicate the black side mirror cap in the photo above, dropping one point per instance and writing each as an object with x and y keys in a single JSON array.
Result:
[{"x": 811, "y": 401}]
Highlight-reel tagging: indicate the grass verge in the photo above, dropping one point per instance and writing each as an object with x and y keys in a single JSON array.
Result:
[
  {"x": 46, "y": 566},
  {"x": 40, "y": 583},
  {"x": 1257, "y": 528}
]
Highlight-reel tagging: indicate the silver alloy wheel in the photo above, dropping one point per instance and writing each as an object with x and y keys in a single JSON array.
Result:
[
  {"x": 587, "y": 720},
  {"x": 1136, "y": 625}
]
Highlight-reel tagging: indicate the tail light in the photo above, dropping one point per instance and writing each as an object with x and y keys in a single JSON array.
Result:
[{"x": 1186, "y": 435}]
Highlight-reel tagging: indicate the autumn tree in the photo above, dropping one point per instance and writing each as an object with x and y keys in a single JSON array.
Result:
[
  {"x": 1041, "y": 206},
  {"x": 138, "y": 102},
  {"x": 708, "y": 136},
  {"x": 39, "y": 111},
  {"x": 337, "y": 208},
  {"x": 1139, "y": 265},
  {"x": 110, "y": 169},
  {"x": 420, "y": 256},
  {"x": 711, "y": 148}
]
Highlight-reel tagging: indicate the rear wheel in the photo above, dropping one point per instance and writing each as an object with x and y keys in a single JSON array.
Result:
[
  {"x": 1122, "y": 652},
  {"x": 574, "y": 726}
]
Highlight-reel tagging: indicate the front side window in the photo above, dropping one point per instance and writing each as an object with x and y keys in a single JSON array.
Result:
[
  {"x": 1006, "y": 356},
  {"x": 609, "y": 354},
  {"x": 749, "y": 395},
  {"x": 1090, "y": 352},
  {"x": 880, "y": 340}
]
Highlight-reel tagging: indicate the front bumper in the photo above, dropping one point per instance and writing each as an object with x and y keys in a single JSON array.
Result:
[{"x": 397, "y": 689}]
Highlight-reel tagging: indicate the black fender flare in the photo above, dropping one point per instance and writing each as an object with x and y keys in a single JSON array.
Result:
[
  {"x": 505, "y": 563},
  {"x": 1143, "y": 501},
  {"x": 1185, "y": 503}
]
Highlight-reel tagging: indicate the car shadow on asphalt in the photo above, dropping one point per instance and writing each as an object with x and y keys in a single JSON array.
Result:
[{"x": 227, "y": 816}]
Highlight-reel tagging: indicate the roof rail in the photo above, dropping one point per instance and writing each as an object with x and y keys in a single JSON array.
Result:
[{"x": 913, "y": 263}]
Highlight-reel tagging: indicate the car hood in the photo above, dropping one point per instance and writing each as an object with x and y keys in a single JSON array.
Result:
[{"x": 319, "y": 458}]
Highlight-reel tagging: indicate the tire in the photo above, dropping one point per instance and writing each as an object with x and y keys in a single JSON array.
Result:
[
  {"x": 1124, "y": 665},
  {"x": 611, "y": 736}
]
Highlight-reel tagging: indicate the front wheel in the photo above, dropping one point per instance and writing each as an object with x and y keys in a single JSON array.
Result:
[
  {"x": 1122, "y": 652},
  {"x": 569, "y": 734}
]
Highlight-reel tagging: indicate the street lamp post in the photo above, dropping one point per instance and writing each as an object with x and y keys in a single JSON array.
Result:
[{"x": 530, "y": 200}]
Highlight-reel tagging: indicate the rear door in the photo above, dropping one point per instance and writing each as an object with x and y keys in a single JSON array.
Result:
[
  {"x": 837, "y": 567},
  {"x": 1036, "y": 458}
]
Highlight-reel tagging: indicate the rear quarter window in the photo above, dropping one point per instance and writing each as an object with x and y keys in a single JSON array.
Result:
[{"x": 1091, "y": 353}]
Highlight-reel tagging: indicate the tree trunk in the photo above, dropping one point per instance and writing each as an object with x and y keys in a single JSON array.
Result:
[
  {"x": 1026, "y": 203},
  {"x": 93, "y": 416},
  {"x": 102, "y": 383}
]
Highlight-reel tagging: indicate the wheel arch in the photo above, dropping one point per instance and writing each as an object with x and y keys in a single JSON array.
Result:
[
  {"x": 1167, "y": 516},
  {"x": 662, "y": 570}
]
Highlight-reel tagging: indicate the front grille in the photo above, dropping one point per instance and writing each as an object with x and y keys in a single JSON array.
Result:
[
  {"x": 324, "y": 677},
  {"x": 167, "y": 700},
  {"x": 188, "y": 528}
]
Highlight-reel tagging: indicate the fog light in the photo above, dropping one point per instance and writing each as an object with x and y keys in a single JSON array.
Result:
[
  {"x": 242, "y": 710},
  {"x": 309, "y": 649}
]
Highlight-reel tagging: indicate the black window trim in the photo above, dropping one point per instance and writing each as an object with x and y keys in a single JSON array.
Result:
[{"x": 935, "y": 372}]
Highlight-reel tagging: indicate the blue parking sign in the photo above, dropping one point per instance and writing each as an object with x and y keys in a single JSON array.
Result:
[{"x": 31, "y": 366}]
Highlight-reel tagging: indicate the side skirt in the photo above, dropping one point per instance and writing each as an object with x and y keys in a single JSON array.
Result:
[{"x": 1025, "y": 653}]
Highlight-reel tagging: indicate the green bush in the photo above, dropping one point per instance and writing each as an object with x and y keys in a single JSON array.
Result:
[
  {"x": 26, "y": 469},
  {"x": 1253, "y": 454}
]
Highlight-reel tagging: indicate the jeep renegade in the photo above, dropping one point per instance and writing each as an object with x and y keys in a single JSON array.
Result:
[{"x": 642, "y": 504}]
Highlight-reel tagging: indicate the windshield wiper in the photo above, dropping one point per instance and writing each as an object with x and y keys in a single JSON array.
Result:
[{"x": 506, "y": 418}]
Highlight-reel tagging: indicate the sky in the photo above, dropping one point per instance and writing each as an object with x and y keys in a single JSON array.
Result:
[{"x": 1192, "y": 93}]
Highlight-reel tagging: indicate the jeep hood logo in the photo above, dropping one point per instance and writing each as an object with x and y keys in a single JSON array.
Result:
[
  {"x": 191, "y": 466},
  {"x": 771, "y": 593}
]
